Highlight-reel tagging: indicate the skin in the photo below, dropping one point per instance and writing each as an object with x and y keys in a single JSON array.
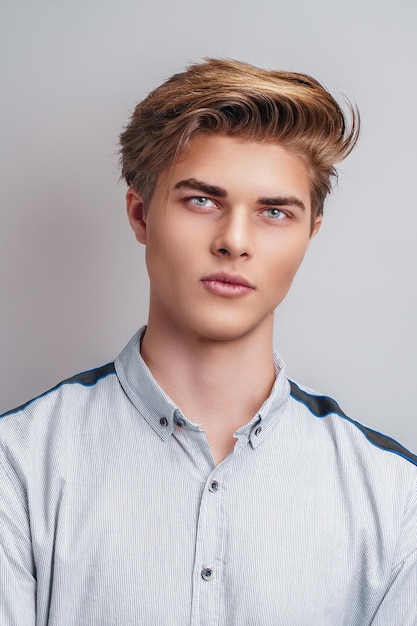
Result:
[{"x": 228, "y": 211}]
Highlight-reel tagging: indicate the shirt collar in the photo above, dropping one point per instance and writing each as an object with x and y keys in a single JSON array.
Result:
[
  {"x": 257, "y": 430},
  {"x": 163, "y": 415}
]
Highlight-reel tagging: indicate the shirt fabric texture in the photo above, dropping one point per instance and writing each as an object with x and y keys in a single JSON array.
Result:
[{"x": 113, "y": 513}]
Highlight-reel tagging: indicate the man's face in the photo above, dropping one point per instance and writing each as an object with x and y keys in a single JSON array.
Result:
[{"x": 226, "y": 231}]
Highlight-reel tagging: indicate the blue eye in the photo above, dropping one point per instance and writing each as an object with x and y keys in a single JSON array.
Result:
[
  {"x": 200, "y": 200},
  {"x": 274, "y": 213}
]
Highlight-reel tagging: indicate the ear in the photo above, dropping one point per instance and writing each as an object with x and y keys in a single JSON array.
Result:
[
  {"x": 316, "y": 226},
  {"x": 136, "y": 214}
]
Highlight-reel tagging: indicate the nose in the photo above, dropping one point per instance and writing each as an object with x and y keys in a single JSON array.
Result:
[{"x": 233, "y": 236}]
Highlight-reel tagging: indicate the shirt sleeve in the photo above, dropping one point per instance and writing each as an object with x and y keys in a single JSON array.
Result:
[
  {"x": 17, "y": 571},
  {"x": 399, "y": 605}
]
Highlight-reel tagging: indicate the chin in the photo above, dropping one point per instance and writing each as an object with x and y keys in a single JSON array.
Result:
[{"x": 230, "y": 330}]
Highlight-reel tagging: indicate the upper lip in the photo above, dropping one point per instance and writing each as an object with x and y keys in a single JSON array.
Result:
[{"x": 233, "y": 279}]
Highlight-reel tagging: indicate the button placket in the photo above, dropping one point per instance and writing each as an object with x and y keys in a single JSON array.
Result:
[{"x": 210, "y": 548}]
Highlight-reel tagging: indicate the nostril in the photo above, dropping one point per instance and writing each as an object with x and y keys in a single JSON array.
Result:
[{"x": 223, "y": 251}]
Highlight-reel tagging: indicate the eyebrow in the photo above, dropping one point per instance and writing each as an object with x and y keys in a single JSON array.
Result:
[
  {"x": 199, "y": 185},
  {"x": 220, "y": 192},
  {"x": 282, "y": 201}
]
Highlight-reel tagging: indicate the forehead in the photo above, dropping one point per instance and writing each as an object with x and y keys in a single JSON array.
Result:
[{"x": 252, "y": 167}]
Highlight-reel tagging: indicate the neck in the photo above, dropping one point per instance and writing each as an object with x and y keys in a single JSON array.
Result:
[{"x": 217, "y": 384}]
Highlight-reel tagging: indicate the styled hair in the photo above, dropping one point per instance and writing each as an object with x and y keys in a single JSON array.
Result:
[{"x": 232, "y": 98}]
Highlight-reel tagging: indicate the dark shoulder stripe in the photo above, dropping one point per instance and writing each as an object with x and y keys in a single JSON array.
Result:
[
  {"x": 90, "y": 377},
  {"x": 321, "y": 406},
  {"x": 87, "y": 379}
]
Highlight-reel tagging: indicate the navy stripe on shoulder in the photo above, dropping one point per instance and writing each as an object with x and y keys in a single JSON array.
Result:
[
  {"x": 91, "y": 377},
  {"x": 87, "y": 379},
  {"x": 321, "y": 406}
]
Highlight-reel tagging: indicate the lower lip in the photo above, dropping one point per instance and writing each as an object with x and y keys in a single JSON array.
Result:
[{"x": 230, "y": 290}]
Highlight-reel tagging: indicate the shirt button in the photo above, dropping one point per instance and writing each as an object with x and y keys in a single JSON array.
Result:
[
  {"x": 214, "y": 485},
  {"x": 207, "y": 573},
  {"x": 163, "y": 421},
  {"x": 258, "y": 431}
]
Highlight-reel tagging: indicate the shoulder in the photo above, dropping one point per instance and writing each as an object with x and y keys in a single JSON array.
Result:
[
  {"x": 326, "y": 410},
  {"x": 88, "y": 378},
  {"x": 54, "y": 410},
  {"x": 57, "y": 427}
]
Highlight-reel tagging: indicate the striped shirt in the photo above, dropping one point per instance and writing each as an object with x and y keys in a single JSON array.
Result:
[{"x": 113, "y": 513}]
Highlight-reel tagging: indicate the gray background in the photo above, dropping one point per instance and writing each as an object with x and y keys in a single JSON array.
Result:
[{"x": 72, "y": 280}]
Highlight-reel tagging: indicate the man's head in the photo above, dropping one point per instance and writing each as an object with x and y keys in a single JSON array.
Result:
[{"x": 236, "y": 99}]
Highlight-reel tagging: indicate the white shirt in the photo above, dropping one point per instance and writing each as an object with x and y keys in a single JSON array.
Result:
[{"x": 113, "y": 513}]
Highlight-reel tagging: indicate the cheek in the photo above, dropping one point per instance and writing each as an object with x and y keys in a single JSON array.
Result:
[
  {"x": 159, "y": 243},
  {"x": 166, "y": 258},
  {"x": 281, "y": 279},
  {"x": 285, "y": 257}
]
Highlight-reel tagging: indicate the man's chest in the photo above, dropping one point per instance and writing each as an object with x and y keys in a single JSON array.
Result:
[{"x": 170, "y": 539}]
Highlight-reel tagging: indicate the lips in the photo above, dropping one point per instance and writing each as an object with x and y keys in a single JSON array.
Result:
[{"x": 229, "y": 285}]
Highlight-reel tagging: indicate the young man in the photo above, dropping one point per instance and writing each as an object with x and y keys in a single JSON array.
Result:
[{"x": 190, "y": 482}]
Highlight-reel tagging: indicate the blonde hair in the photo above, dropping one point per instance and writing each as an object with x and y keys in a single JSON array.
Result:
[{"x": 233, "y": 98}]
